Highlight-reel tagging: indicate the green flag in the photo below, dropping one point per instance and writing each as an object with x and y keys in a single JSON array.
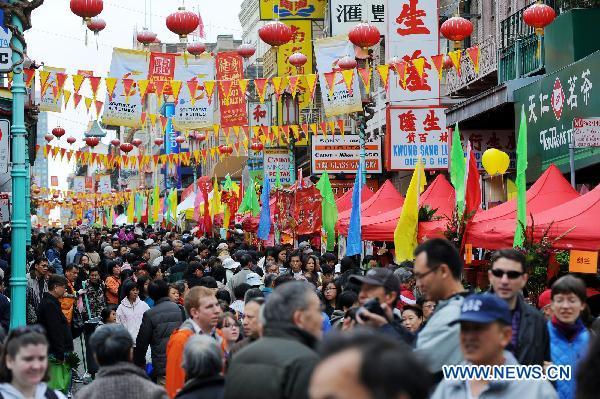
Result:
[
  {"x": 329, "y": 210},
  {"x": 278, "y": 178},
  {"x": 250, "y": 200},
  {"x": 520, "y": 181},
  {"x": 155, "y": 205},
  {"x": 457, "y": 170},
  {"x": 228, "y": 185},
  {"x": 109, "y": 217},
  {"x": 139, "y": 205}
]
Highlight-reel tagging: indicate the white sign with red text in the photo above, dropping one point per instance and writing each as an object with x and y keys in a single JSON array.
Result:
[
  {"x": 277, "y": 157},
  {"x": 586, "y": 132},
  {"x": 259, "y": 113},
  {"x": 337, "y": 154},
  {"x": 417, "y": 133},
  {"x": 412, "y": 32}
]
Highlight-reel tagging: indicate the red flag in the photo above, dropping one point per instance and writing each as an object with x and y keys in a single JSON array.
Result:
[{"x": 472, "y": 187}]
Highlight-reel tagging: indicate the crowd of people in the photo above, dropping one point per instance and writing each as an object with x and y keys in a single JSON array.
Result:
[{"x": 166, "y": 314}]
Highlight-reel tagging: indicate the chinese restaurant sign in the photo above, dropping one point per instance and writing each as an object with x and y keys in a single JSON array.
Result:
[
  {"x": 233, "y": 108},
  {"x": 292, "y": 9},
  {"x": 416, "y": 133},
  {"x": 345, "y": 14},
  {"x": 337, "y": 154},
  {"x": 412, "y": 32},
  {"x": 551, "y": 104},
  {"x": 503, "y": 140}
]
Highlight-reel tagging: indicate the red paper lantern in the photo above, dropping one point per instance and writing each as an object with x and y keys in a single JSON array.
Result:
[
  {"x": 346, "y": 63},
  {"x": 127, "y": 190},
  {"x": 364, "y": 35},
  {"x": 115, "y": 142},
  {"x": 92, "y": 141},
  {"x": 257, "y": 146},
  {"x": 297, "y": 59},
  {"x": 179, "y": 139},
  {"x": 183, "y": 23},
  {"x": 158, "y": 141},
  {"x": 96, "y": 25},
  {"x": 71, "y": 140},
  {"x": 49, "y": 137},
  {"x": 456, "y": 28},
  {"x": 196, "y": 48},
  {"x": 539, "y": 16},
  {"x": 55, "y": 195},
  {"x": 126, "y": 147},
  {"x": 86, "y": 9},
  {"x": 225, "y": 149},
  {"x": 136, "y": 142},
  {"x": 146, "y": 37},
  {"x": 36, "y": 190},
  {"x": 200, "y": 136},
  {"x": 246, "y": 50},
  {"x": 275, "y": 33},
  {"x": 58, "y": 132}
]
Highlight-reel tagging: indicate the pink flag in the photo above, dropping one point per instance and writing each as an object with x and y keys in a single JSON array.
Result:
[
  {"x": 197, "y": 202},
  {"x": 199, "y": 32}
]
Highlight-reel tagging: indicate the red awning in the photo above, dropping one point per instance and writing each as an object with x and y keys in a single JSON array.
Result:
[
  {"x": 488, "y": 228},
  {"x": 345, "y": 201}
]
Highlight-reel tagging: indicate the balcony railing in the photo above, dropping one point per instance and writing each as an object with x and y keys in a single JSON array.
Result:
[
  {"x": 522, "y": 58},
  {"x": 488, "y": 63}
]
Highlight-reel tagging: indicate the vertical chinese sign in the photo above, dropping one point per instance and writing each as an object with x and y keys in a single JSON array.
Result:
[
  {"x": 233, "y": 104},
  {"x": 417, "y": 124},
  {"x": 161, "y": 71}
]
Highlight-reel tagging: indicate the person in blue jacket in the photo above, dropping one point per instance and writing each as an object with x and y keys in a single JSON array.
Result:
[{"x": 569, "y": 338}]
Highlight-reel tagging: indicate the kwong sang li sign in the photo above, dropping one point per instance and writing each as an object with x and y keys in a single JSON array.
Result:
[{"x": 337, "y": 154}]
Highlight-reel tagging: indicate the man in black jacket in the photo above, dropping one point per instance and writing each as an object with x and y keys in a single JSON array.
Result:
[
  {"x": 530, "y": 341},
  {"x": 157, "y": 325},
  {"x": 51, "y": 317},
  {"x": 279, "y": 364}
]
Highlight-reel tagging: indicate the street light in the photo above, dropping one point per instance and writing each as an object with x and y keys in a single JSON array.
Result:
[{"x": 290, "y": 117}]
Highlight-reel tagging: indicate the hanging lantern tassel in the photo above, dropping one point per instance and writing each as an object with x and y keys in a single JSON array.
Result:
[{"x": 538, "y": 16}]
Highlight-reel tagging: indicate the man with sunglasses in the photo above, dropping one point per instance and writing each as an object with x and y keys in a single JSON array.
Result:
[{"x": 530, "y": 342}]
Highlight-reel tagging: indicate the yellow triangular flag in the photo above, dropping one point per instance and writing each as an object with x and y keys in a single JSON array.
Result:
[
  {"x": 88, "y": 103},
  {"x": 331, "y": 126},
  {"x": 209, "y": 88},
  {"x": 243, "y": 83},
  {"x": 313, "y": 127},
  {"x": 455, "y": 57},
  {"x": 143, "y": 86},
  {"x": 384, "y": 72},
  {"x": 152, "y": 119},
  {"x": 44, "y": 75},
  {"x": 110, "y": 83},
  {"x": 311, "y": 82},
  {"x": 348, "y": 75},
  {"x": 66, "y": 96},
  {"x": 236, "y": 130},
  {"x": 216, "y": 132},
  {"x": 419, "y": 64},
  {"x": 176, "y": 88},
  {"x": 77, "y": 81}
]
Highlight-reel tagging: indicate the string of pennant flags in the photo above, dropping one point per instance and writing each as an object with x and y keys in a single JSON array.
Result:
[
  {"x": 278, "y": 84},
  {"x": 267, "y": 135}
]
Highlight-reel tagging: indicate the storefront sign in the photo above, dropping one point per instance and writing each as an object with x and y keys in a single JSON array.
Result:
[
  {"x": 583, "y": 262},
  {"x": 337, "y": 154},
  {"x": 412, "y": 32},
  {"x": 345, "y": 14},
  {"x": 4, "y": 208},
  {"x": 482, "y": 140},
  {"x": 277, "y": 158},
  {"x": 292, "y": 9},
  {"x": 233, "y": 108},
  {"x": 4, "y": 145},
  {"x": 586, "y": 132},
  {"x": 551, "y": 104},
  {"x": 340, "y": 187},
  {"x": 415, "y": 133}
]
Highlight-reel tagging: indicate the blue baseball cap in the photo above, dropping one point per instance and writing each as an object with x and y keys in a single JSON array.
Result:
[{"x": 484, "y": 309}]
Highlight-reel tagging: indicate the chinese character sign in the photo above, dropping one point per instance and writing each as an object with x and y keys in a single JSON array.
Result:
[
  {"x": 233, "y": 109},
  {"x": 327, "y": 53},
  {"x": 292, "y": 9},
  {"x": 503, "y": 140},
  {"x": 416, "y": 133},
  {"x": 345, "y": 14},
  {"x": 412, "y": 32},
  {"x": 162, "y": 67},
  {"x": 198, "y": 112},
  {"x": 260, "y": 114},
  {"x": 302, "y": 43},
  {"x": 125, "y": 110}
]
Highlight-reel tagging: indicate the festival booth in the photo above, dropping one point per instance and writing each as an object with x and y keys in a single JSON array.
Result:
[
  {"x": 387, "y": 198},
  {"x": 571, "y": 225},
  {"x": 488, "y": 228},
  {"x": 344, "y": 203}
]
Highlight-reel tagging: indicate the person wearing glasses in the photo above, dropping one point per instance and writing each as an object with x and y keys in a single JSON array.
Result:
[
  {"x": 24, "y": 365},
  {"x": 530, "y": 342},
  {"x": 438, "y": 271}
]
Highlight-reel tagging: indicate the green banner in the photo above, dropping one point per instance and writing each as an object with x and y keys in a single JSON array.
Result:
[{"x": 551, "y": 103}]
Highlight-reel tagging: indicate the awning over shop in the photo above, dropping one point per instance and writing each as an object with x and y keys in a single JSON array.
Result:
[
  {"x": 345, "y": 201},
  {"x": 232, "y": 165}
]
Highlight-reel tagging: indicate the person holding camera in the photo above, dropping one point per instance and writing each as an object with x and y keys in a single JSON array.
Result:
[{"x": 379, "y": 292}]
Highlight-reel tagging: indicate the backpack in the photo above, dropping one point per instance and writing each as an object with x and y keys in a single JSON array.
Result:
[{"x": 50, "y": 394}]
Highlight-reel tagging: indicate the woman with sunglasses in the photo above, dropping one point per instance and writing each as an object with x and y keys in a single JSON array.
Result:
[{"x": 24, "y": 365}]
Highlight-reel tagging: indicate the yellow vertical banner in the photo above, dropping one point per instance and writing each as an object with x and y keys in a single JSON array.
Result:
[{"x": 301, "y": 43}]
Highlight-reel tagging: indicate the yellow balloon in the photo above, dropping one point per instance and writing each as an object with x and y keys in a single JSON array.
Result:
[
  {"x": 491, "y": 161},
  {"x": 504, "y": 162}
]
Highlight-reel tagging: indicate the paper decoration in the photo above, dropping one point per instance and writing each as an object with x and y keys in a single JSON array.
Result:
[
  {"x": 348, "y": 76},
  {"x": 110, "y": 83},
  {"x": 384, "y": 71},
  {"x": 330, "y": 81},
  {"x": 473, "y": 53},
  {"x": 311, "y": 83},
  {"x": 455, "y": 57},
  {"x": 261, "y": 88}
]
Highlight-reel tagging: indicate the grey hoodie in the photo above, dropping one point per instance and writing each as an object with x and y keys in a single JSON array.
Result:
[{"x": 10, "y": 392}]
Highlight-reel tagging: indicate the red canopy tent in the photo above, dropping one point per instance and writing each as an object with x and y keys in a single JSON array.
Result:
[
  {"x": 575, "y": 221},
  {"x": 344, "y": 203},
  {"x": 439, "y": 194},
  {"x": 550, "y": 190},
  {"x": 387, "y": 198}
]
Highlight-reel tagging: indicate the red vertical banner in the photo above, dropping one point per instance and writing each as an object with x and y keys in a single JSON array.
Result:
[
  {"x": 234, "y": 112},
  {"x": 162, "y": 68}
]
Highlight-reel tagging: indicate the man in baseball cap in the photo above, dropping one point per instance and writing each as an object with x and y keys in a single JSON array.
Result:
[
  {"x": 380, "y": 285},
  {"x": 485, "y": 331}
]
